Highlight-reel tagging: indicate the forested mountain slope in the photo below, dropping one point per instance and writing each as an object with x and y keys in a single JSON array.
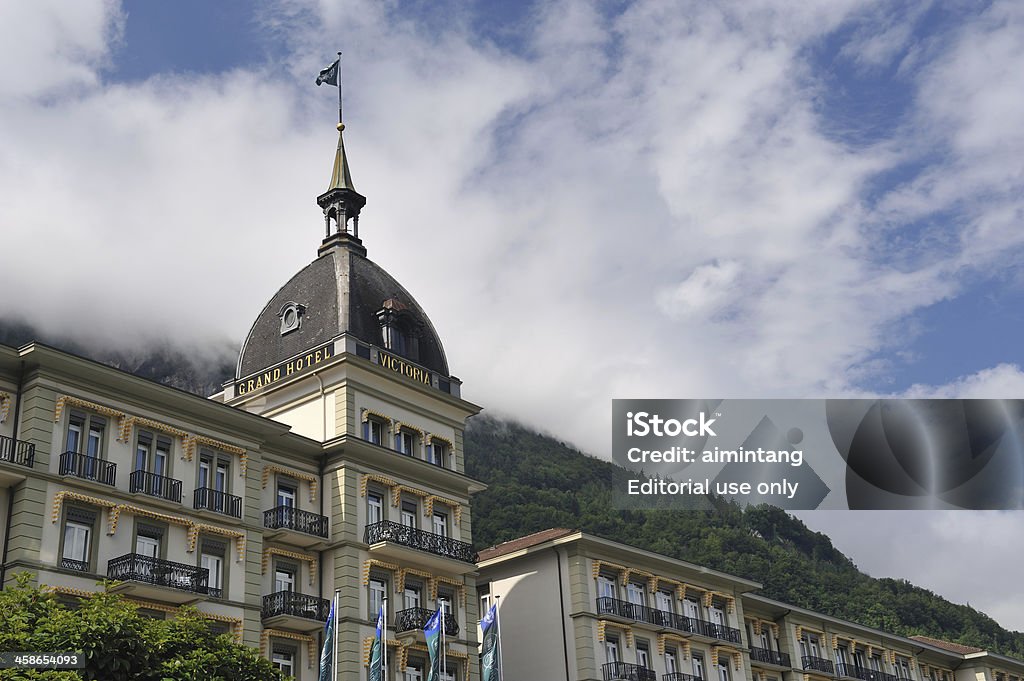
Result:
[{"x": 536, "y": 482}]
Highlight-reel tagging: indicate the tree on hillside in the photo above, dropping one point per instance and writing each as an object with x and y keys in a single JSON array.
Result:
[{"x": 118, "y": 642}]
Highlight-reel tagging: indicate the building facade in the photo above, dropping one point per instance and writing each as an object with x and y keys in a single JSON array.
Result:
[
  {"x": 576, "y": 607},
  {"x": 332, "y": 462}
]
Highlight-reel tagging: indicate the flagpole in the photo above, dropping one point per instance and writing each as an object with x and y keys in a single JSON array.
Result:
[
  {"x": 384, "y": 629},
  {"x": 339, "y": 89},
  {"x": 497, "y": 624},
  {"x": 334, "y": 653},
  {"x": 444, "y": 652}
]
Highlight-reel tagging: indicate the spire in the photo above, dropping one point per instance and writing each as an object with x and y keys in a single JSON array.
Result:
[
  {"x": 341, "y": 178},
  {"x": 341, "y": 202}
]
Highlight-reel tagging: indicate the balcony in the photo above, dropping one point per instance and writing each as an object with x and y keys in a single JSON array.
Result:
[
  {"x": 623, "y": 671},
  {"x": 17, "y": 451},
  {"x": 215, "y": 500},
  {"x": 295, "y": 526},
  {"x": 662, "y": 618},
  {"x": 766, "y": 656},
  {"x": 155, "y": 486},
  {"x": 852, "y": 671},
  {"x": 295, "y": 611},
  {"x": 818, "y": 664},
  {"x": 158, "y": 579},
  {"x": 401, "y": 542},
  {"x": 414, "y": 619},
  {"x": 679, "y": 676},
  {"x": 88, "y": 468}
]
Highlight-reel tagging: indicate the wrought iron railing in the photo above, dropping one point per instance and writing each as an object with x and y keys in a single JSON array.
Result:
[
  {"x": 88, "y": 467},
  {"x": 662, "y": 618},
  {"x": 417, "y": 618},
  {"x": 769, "y": 656},
  {"x": 17, "y": 451},
  {"x": 679, "y": 676},
  {"x": 76, "y": 565},
  {"x": 297, "y": 605},
  {"x": 290, "y": 518},
  {"x": 854, "y": 672},
  {"x": 215, "y": 500},
  {"x": 136, "y": 567},
  {"x": 437, "y": 544},
  {"x": 155, "y": 485},
  {"x": 624, "y": 671},
  {"x": 819, "y": 664}
]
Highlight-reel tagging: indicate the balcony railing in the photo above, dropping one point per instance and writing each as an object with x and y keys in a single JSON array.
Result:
[
  {"x": 215, "y": 500},
  {"x": 437, "y": 544},
  {"x": 662, "y": 618},
  {"x": 769, "y": 656},
  {"x": 679, "y": 676},
  {"x": 297, "y": 605},
  {"x": 854, "y": 672},
  {"x": 76, "y": 565},
  {"x": 416, "y": 618},
  {"x": 155, "y": 485},
  {"x": 136, "y": 567},
  {"x": 616, "y": 671},
  {"x": 17, "y": 451},
  {"x": 819, "y": 664},
  {"x": 88, "y": 467},
  {"x": 290, "y": 518}
]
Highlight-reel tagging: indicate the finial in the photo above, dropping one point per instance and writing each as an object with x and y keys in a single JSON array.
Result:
[{"x": 341, "y": 126}]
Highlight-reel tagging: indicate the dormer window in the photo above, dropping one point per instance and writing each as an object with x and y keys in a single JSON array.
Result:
[
  {"x": 291, "y": 316},
  {"x": 398, "y": 329}
]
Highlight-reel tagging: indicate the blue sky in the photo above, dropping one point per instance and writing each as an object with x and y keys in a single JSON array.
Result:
[{"x": 749, "y": 198}]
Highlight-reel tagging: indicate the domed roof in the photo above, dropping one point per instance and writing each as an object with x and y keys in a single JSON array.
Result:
[{"x": 340, "y": 292}]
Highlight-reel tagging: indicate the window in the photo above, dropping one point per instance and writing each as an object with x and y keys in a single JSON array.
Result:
[
  {"x": 378, "y": 589},
  {"x": 148, "y": 539},
  {"x": 809, "y": 646},
  {"x": 284, "y": 578},
  {"x": 85, "y": 433},
  {"x": 413, "y": 671},
  {"x": 441, "y": 524},
  {"x": 152, "y": 455},
  {"x": 671, "y": 661},
  {"x": 698, "y": 666},
  {"x": 373, "y": 430},
  {"x": 605, "y": 587},
  {"x": 903, "y": 668},
  {"x": 374, "y": 508},
  {"x": 723, "y": 671},
  {"x": 291, "y": 316},
  {"x": 286, "y": 494},
  {"x": 436, "y": 453},
  {"x": 411, "y": 597},
  {"x": 76, "y": 553},
  {"x": 444, "y": 602},
  {"x": 213, "y": 472},
  {"x": 691, "y": 608},
  {"x": 643, "y": 654},
  {"x": 717, "y": 615},
  {"x": 408, "y": 513},
  {"x": 611, "y": 649},
  {"x": 485, "y": 599},
  {"x": 284, "y": 659},
  {"x": 663, "y": 601},
  {"x": 635, "y": 593},
  {"x": 405, "y": 442},
  {"x": 212, "y": 558}
]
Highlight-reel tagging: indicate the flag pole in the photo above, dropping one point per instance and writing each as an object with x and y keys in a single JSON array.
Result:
[
  {"x": 384, "y": 629},
  {"x": 334, "y": 653},
  {"x": 444, "y": 652},
  {"x": 497, "y": 624},
  {"x": 339, "y": 89}
]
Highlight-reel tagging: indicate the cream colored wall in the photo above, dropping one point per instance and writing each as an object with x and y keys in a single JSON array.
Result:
[
  {"x": 530, "y": 616},
  {"x": 308, "y": 418}
]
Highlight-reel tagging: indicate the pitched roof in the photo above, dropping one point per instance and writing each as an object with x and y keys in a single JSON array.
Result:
[
  {"x": 958, "y": 648},
  {"x": 521, "y": 543}
]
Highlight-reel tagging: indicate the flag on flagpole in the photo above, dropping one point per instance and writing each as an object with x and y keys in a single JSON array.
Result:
[
  {"x": 490, "y": 655},
  {"x": 329, "y": 74},
  {"x": 376, "y": 652},
  {"x": 432, "y": 634},
  {"x": 326, "y": 653}
]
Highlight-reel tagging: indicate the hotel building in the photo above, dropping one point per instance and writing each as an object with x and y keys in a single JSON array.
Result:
[
  {"x": 332, "y": 461},
  {"x": 576, "y": 607}
]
